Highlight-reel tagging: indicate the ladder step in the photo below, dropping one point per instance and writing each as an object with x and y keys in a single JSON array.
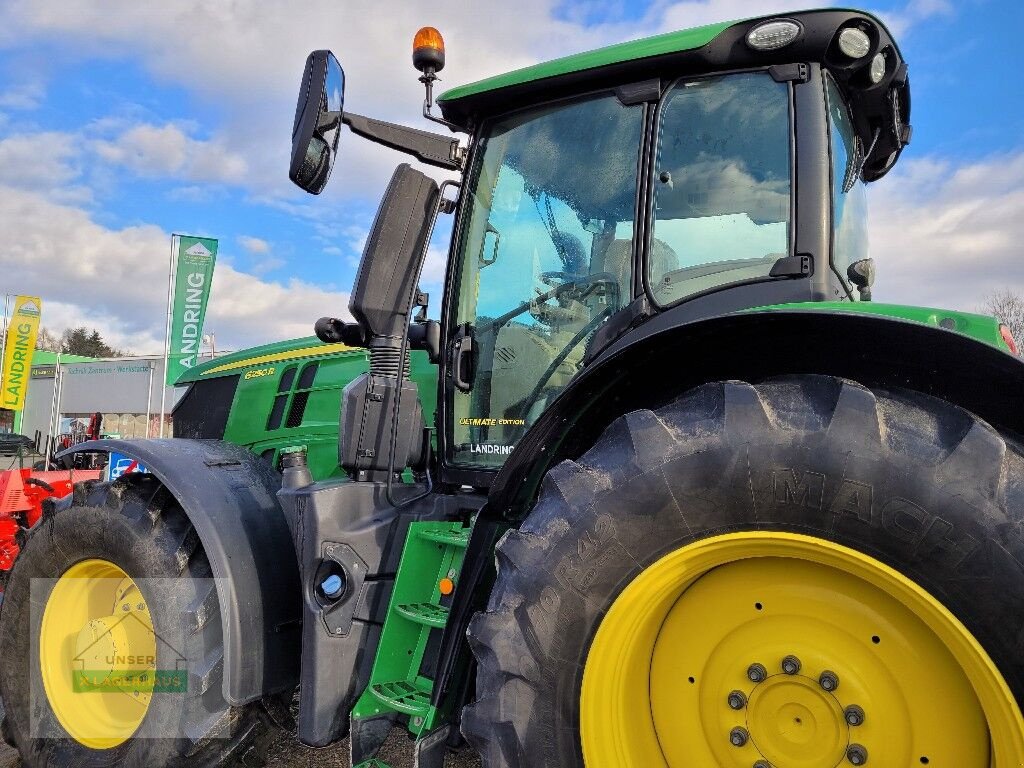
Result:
[
  {"x": 425, "y": 613},
  {"x": 403, "y": 697},
  {"x": 449, "y": 537}
]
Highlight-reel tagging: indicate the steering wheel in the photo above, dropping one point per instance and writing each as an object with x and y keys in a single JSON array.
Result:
[
  {"x": 576, "y": 281},
  {"x": 556, "y": 279}
]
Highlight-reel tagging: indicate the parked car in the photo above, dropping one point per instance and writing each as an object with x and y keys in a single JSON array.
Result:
[{"x": 11, "y": 443}]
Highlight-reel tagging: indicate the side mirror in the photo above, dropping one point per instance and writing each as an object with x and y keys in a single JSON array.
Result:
[
  {"x": 862, "y": 274},
  {"x": 317, "y": 126}
]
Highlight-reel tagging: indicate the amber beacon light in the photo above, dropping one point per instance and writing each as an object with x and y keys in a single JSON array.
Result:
[{"x": 428, "y": 50}]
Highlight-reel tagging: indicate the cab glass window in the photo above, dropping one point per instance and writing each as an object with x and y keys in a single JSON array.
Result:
[
  {"x": 722, "y": 184},
  {"x": 849, "y": 200},
  {"x": 545, "y": 257}
]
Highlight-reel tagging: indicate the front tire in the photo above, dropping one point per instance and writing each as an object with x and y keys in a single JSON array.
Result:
[
  {"x": 872, "y": 536},
  {"x": 123, "y": 561}
]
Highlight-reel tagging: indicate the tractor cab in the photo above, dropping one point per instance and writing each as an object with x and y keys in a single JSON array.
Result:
[{"x": 695, "y": 173}]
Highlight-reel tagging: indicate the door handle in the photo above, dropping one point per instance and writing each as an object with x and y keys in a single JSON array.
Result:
[{"x": 463, "y": 358}]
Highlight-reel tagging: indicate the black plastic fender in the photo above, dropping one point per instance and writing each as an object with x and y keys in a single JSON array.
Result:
[
  {"x": 230, "y": 495},
  {"x": 665, "y": 357}
]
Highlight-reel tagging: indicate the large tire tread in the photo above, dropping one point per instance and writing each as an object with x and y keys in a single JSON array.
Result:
[
  {"x": 522, "y": 717},
  {"x": 217, "y": 734}
]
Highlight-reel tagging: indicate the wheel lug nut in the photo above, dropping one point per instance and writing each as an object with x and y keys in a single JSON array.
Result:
[
  {"x": 756, "y": 673},
  {"x": 738, "y": 736},
  {"x": 854, "y": 715},
  {"x": 791, "y": 665},
  {"x": 737, "y": 700},
  {"x": 828, "y": 681},
  {"x": 856, "y": 754}
]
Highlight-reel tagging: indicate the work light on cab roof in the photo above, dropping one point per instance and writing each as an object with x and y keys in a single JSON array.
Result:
[{"x": 774, "y": 34}]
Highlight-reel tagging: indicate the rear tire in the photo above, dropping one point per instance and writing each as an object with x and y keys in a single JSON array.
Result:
[
  {"x": 905, "y": 480},
  {"x": 137, "y": 525}
]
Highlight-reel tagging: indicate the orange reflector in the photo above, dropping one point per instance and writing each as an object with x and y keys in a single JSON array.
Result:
[
  {"x": 428, "y": 37},
  {"x": 447, "y": 586},
  {"x": 1007, "y": 335}
]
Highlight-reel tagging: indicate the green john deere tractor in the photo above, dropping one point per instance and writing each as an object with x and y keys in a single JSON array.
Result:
[{"x": 688, "y": 499}]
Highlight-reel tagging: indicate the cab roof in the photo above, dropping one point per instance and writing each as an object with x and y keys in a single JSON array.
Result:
[{"x": 712, "y": 48}]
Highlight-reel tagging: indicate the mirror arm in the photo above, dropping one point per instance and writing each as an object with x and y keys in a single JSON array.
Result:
[{"x": 424, "y": 146}]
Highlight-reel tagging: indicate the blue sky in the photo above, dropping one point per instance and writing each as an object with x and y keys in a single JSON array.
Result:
[{"x": 123, "y": 122}]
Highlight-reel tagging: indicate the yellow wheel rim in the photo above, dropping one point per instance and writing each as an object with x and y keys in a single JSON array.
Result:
[
  {"x": 876, "y": 670},
  {"x": 97, "y": 654}
]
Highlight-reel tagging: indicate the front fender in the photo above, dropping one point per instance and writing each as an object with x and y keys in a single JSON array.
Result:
[
  {"x": 662, "y": 359},
  {"x": 230, "y": 496}
]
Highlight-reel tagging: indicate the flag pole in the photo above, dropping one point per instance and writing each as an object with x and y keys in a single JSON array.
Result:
[
  {"x": 149, "y": 398},
  {"x": 3, "y": 343},
  {"x": 51, "y": 439},
  {"x": 167, "y": 334}
]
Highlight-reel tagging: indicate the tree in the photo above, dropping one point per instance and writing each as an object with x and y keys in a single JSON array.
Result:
[
  {"x": 87, "y": 342},
  {"x": 48, "y": 341},
  {"x": 1009, "y": 308}
]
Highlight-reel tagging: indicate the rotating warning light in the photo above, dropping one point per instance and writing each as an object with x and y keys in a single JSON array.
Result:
[{"x": 428, "y": 50}]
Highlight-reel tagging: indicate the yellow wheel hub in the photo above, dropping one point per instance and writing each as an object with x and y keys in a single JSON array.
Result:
[
  {"x": 97, "y": 654},
  {"x": 774, "y": 650}
]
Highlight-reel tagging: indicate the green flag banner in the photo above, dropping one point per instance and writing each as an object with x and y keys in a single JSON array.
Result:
[{"x": 192, "y": 278}]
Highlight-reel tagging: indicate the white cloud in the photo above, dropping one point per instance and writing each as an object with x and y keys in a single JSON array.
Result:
[
  {"x": 39, "y": 160},
  {"x": 269, "y": 264},
  {"x": 166, "y": 150},
  {"x": 914, "y": 12},
  {"x": 26, "y": 94},
  {"x": 115, "y": 280},
  {"x": 947, "y": 236},
  {"x": 254, "y": 244}
]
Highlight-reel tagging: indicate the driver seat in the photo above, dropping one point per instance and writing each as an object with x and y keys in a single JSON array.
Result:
[{"x": 618, "y": 260}]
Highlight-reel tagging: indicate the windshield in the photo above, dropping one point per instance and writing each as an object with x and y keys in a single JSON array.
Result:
[
  {"x": 722, "y": 189},
  {"x": 545, "y": 257}
]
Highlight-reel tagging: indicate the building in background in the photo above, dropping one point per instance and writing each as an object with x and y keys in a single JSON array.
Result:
[
  {"x": 126, "y": 391},
  {"x": 43, "y": 365}
]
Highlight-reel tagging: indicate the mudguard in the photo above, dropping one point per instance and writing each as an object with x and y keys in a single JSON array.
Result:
[
  {"x": 230, "y": 495},
  {"x": 670, "y": 354},
  {"x": 665, "y": 357}
]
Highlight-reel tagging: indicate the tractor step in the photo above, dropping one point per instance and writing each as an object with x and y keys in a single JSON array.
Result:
[
  {"x": 373, "y": 762},
  {"x": 454, "y": 538},
  {"x": 412, "y": 699},
  {"x": 430, "y": 614},
  {"x": 417, "y": 612}
]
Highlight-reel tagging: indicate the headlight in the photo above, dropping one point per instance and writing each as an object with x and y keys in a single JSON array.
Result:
[
  {"x": 854, "y": 42},
  {"x": 877, "y": 70}
]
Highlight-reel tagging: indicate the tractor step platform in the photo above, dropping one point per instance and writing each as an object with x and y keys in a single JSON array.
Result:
[
  {"x": 454, "y": 537},
  {"x": 412, "y": 699},
  {"x": 373, "y": 762},
  {"x": 424, "y": 613},
  {"x": 400, "y": 681}
]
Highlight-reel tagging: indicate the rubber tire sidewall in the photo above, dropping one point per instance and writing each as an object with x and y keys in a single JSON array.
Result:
[
  {"x": 933, "y": 485},
  {"x": 136, "y": 526}
]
